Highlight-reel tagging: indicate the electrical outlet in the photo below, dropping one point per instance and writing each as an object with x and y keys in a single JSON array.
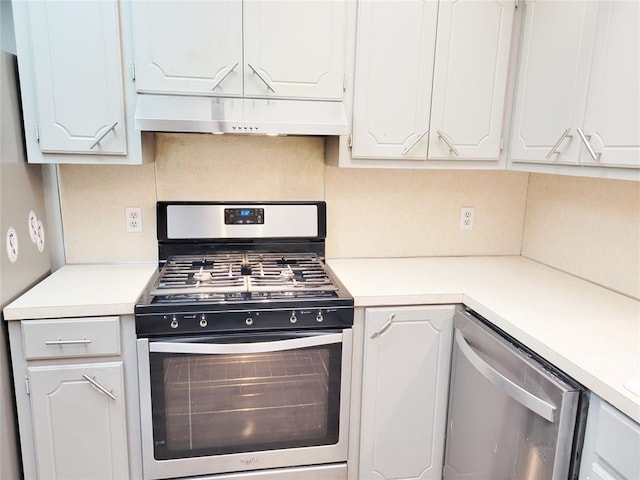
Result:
[
  {"x": 133, "y": 217},
  {"x": 466, "y": 218}
]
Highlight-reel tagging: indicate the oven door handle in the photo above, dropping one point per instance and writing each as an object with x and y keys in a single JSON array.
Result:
[{"x": 252, "y": 347}]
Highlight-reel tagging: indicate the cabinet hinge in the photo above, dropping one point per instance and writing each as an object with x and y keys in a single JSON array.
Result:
[
  {"x": 501, "y": 144},
  {"x": 350, "y": 140},
  {"x": 344, "y": 83},
  {"x": 516, "y": 4},
  {"x": 37, "y": 133},
  {"x": 133, "y": 72},
  {"x": 26, "y": 385}
]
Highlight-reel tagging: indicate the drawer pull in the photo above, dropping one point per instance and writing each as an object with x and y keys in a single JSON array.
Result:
[
  {"x": 585, "y": 139},
  {"x": 68, "y": 342},
  {"x": 449, "y": 143},
  {"x": 554, "y": 149},
  {"x": 385, "y": 327},
  {"x": 223, "y": 76},
  {"x": 262, "y": 77},
  {"x": 102, "y": 389},
  {"x": 102, "y": 135}
]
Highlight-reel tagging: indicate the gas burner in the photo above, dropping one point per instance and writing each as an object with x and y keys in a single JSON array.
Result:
[{"x": 234, "y": 272}]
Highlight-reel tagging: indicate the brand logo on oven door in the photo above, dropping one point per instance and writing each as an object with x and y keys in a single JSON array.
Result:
[{"x": 249, "y": 460}]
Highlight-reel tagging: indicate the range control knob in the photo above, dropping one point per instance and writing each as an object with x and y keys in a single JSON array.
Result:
[
  {"x": 319, "y": 317},
  {"x": 293, "y": 318},
  {"x": 249, "y": 321},
  {"x": 174, "y": 322},
  {"x": 203, "y": 321}
]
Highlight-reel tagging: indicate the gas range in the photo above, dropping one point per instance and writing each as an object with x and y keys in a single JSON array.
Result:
[{"x": 238, "y": 266}]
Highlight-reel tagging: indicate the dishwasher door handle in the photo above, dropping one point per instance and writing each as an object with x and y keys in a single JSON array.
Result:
[{"x": 513, "y": 390}]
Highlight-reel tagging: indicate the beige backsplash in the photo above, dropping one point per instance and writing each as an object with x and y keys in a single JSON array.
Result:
[
  {"x": 371, "y": 212},
  {"x": 586, "y": 226}
]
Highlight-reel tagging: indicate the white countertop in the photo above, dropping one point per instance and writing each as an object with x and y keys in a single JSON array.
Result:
[
  {"x": 589, "y": 332},
  {"x": 83, "y": 290}
]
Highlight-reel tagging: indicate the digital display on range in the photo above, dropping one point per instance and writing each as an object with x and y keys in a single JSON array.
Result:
[{"x": 244, "y": 216}]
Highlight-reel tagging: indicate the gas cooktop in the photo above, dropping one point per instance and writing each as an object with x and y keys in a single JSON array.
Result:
[{"x": 230, "y": 266}]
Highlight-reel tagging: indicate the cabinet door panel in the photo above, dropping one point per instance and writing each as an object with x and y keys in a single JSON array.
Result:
[
  {"x": 298, "y": 48},
  {"x": 612, "y": 117},
  {"x": 187, "y": 47},
  {"x": 393, "y": 76},
  {"x": 472, "y": 56},
  {"x": 553, "y": 75},
  {"x": 406, "y": 374},
  {"x": 79, "y": 431},
  {"x": 78, "y": 76}
]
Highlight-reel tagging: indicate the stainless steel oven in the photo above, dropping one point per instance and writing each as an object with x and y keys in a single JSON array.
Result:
[
  {"x": 244, "y": 346},
  {"x": 239, "y": 402}
]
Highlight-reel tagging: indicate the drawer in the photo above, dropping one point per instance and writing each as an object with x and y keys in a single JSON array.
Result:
[{"x": 71, "y": 337}]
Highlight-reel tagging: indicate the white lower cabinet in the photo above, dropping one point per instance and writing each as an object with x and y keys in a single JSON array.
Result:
[
  {"x": 79, "y": 422},
  {"x": 407, "y": 355},
  {"x": 611, "y": 444},
  {"x": 70, "y": 379}
]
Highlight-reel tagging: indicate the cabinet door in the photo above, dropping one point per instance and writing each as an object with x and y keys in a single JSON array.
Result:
[
  {"x": 393, "y": 77},
  {"x": 191, "y": 47},
  {"x": 294, "y": 49},
  {"x": 407, "y": 354},
  {"x": 75, "y": 50},
  {"x": 612, "y": 118},
  {"x": 469, "y": 85},
  {"x": 611, "y": 444},
  {"x": 553, "y": 74},
  {"x": 79, "y": 430}
]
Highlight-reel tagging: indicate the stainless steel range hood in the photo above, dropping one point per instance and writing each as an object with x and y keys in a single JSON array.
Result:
[{"x": 173, "y": 113}]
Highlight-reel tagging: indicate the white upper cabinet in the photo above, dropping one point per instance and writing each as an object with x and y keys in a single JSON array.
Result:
[
  {"x": 294, "y": 49},
  {"x": 78, "y": 96},
  {"x": 577, "y": 92},
  {"x": 261, "y": 49},
  {"x": 394, "y": 70},
  {"x": 77, "y": 76},
  {"x": 469, "y": 84},
  {"x": 191, "y": 47},
  {"x": 612, "y": 116},
  {"x": 555, "y": 59},
  {"x": 422, "y": 95}
]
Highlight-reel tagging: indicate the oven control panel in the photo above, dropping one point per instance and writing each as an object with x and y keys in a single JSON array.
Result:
[
  {"x": 236, "y": 321},
  {"x": 244, "y": 216}
]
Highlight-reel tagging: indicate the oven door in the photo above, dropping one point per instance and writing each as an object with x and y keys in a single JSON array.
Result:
[{"x": 242, "y": 402}]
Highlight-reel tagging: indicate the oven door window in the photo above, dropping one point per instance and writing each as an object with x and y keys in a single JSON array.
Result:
[{"x": 255, "y": 393}]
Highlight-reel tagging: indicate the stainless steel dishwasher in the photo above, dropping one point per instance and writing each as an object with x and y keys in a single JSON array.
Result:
[{"x": 511, "y": 415}]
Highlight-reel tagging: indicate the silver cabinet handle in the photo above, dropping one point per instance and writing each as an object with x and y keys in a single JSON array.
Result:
[
  {"x": 224, "y": 75},
  {"x": 68, "y": 342},
  {"x": 385, "y": 327},
  {"x": 261, "y": 77},
  {"x": 103, "y": 134},
  {"x": 241, "y": 348},
  {"x": 92, "y": 381},
  {"x": 585, "y": 140},
  {"x": 449, "y": 143},
  {"x": 554, "y": 149},
  {"x": 516, "y": 392},
  {"x": 414, "y": 143}
]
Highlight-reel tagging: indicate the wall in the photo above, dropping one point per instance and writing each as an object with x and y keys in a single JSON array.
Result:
[
  {"x": 407, "y": 212},
  {"x": 371, "y": 213},
  {"x": 586, "y": 226}
]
